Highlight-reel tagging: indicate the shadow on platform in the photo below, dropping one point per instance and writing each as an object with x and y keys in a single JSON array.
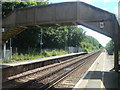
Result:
[{"x": 110, "y": 79}]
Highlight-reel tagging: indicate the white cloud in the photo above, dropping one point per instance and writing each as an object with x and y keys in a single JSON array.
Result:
[
  {"x": 106, "y": 1},
  {"x": 116, "y": 10}
]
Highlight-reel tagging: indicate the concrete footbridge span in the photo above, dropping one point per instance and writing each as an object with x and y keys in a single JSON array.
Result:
[{"x": 68, "y": 13}]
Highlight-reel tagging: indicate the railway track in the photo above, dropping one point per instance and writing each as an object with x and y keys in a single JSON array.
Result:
[
  {"x": 69, "y": 81},
  {"x": 55, "y": 78},
  {"x": 46, "y": 77}
]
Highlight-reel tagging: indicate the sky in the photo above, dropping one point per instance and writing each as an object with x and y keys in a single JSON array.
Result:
[{"x": 109, "y": 5}]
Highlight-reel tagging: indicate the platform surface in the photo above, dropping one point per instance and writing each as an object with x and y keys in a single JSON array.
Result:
[
  {"x": 100, "y": 75},
  {"x": 36, "y": 60}
]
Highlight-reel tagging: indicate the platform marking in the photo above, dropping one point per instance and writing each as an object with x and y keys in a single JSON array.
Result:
[
  {"x": 80, "y": 81},
  {"x": 103, "y": 69}
]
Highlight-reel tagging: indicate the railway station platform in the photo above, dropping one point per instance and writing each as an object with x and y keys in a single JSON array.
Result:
[
  {"x": 17, "y": 63},
  {"x": 100, "y": 75}
]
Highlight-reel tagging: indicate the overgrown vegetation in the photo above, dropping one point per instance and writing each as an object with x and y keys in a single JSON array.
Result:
[
  {"x": 90, "y": 44},
  {"x": 110, "y": 47},
  {"x": 34, "y": 55}
]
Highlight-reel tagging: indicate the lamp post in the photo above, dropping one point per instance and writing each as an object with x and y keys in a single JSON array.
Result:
[
  {"x": 4, "y": 46},
  {"x": 11, "y": 47}
]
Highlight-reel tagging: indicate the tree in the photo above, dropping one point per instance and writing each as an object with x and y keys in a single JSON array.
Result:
[
  {"x": 8, "y": 7},
  {"x": 110, "y": 47},
  {"x": 75, "y": 36},
  {"x": 52, "y": 37},
  {"x": 61, "y": 37},
  {"x": 90, "y": 44}
]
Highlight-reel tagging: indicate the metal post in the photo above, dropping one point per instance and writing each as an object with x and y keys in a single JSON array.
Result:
[
  {"x": 41, "y": 43},
  {"x": 116, "y": 39},
  {"x": 4, "y": 50},
  {"x": 68, "y": 40},
  {"x": 10, "y": 48},
  {"x": 116, "y": 57}
]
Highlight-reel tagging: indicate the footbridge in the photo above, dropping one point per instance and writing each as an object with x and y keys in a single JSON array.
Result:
[{"x": 68, "y": 13}]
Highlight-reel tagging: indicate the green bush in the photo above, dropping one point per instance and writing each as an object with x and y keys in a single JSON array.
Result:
[
  {"x": 86, "y": 50},
  {"x": 54, "y": 53},
  {"x": 46, "y": 53},
  {"x": 110, "y": 47}
]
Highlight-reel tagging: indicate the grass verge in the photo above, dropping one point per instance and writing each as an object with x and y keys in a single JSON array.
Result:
[{"x": 34, "y": 55}]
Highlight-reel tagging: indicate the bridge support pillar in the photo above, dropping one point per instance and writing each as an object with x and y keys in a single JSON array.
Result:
[{"x": 116, "y": 57}]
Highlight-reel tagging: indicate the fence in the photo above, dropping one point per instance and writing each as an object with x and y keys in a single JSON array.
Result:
[
  {"x": 73, "y": 49},
  {"x": 8, "y": 54}
]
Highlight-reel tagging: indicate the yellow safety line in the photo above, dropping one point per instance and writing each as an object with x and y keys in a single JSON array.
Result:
[{"x": 93, "y": 67}]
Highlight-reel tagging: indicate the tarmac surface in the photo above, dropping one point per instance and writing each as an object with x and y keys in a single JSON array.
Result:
[{"x": 100, "y": 75}]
